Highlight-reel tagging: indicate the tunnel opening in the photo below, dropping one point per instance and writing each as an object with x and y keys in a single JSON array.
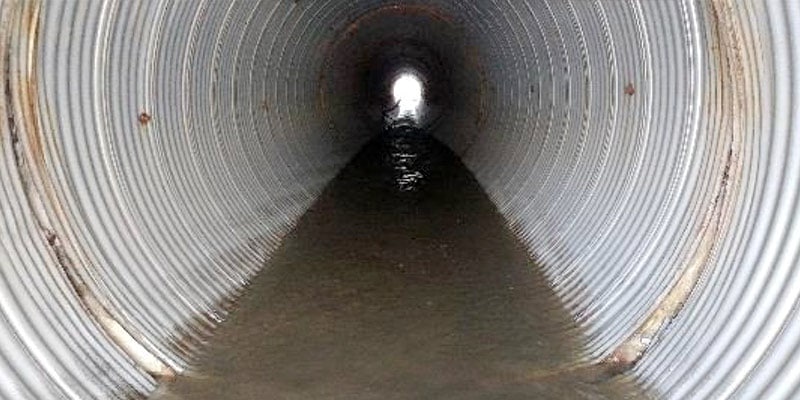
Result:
[
  {"x": 379, "y": 45},
  {"x": 405, "y": 229},
  {"x": 164, "y": 162},
  {"x": 408, "y": 98}
]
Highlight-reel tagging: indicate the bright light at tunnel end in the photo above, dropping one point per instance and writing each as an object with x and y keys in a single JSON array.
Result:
[
  {"x": 407, "y": 92},
  {"x": 644, "y": 152}
]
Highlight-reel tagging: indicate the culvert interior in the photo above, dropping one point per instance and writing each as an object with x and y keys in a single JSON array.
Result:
[{"x": 645, "y": 155}]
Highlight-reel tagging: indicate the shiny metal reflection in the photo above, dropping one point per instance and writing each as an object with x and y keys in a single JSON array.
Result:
[{"x": 629, "y": 144}]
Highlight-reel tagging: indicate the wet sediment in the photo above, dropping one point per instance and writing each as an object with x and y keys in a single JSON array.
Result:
[{"x": 401, "y": 282}]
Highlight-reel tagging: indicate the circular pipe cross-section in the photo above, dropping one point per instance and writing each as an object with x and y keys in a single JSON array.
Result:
[{"x": 155, "y": 153}]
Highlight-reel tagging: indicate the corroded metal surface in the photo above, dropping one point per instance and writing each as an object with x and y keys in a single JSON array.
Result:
[{"x": 155, "y": 152}]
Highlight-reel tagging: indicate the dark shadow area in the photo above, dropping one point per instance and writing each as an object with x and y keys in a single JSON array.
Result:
[
  {"x": 401, "y": 282},
  {"x": 364, "y": 59}
]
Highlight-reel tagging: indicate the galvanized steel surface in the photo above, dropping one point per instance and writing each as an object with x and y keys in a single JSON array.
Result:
[{"x": 154, "y": 153}]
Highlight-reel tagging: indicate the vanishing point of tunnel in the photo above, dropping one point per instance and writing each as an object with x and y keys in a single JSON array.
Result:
[{"x": 400, "y": 199}]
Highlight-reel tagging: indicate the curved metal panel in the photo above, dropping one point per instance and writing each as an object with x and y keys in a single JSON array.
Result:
[{"x": 154, "y": 153}]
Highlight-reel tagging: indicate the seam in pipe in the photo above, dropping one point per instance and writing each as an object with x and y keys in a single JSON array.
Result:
[{"x": 155, "y": 153}]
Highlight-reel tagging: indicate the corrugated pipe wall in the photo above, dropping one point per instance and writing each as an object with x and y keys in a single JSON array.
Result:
[{"x": 155, "y": 152}]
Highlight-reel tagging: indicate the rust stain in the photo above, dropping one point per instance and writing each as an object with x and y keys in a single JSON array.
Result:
[
  {"x": 27, "y": 138},
  {"x": 630, "y": 90},
  {"x": 28, "y": 87},
  {"x": 144, "y": 118},
  {"x": 726, "y": 49}
]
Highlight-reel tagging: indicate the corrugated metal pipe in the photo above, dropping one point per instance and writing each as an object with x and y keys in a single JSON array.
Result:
[{"x": 155, "y": 152}]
